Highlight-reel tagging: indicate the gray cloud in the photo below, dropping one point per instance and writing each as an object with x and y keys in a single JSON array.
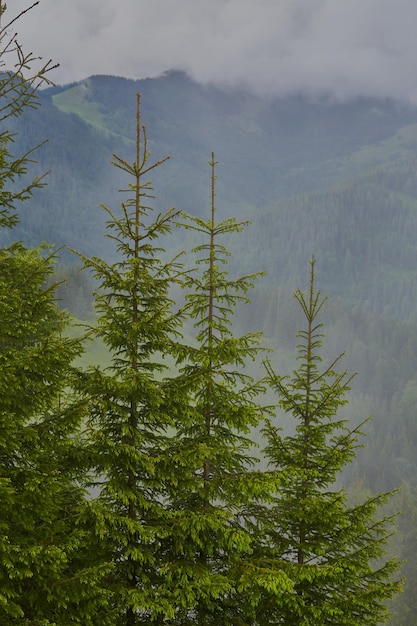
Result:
[{"x": 342, "y": 48}]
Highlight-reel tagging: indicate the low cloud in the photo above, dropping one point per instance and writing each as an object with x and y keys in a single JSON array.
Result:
[{"x": 340, "y": 48}]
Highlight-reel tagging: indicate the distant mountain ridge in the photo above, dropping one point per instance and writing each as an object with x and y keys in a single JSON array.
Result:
[
  {"x": 334, "y": 179},
  {"x": 287, "y": 137}
]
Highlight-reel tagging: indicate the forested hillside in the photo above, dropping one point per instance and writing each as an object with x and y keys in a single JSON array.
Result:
[
  {"x": 333, "y": 180},
  {"x": 268, "y": 149}
]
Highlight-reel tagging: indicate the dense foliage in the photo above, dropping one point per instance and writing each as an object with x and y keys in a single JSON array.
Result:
[
  {"x": 191, "y": 531},
  {"x": 128, "y": 417},
  {"x": 44, "y": 579},
  {"x": 327, "y": 548},
  {"x": 132, "y": 493},
  {"x": 216, "y": 413}
]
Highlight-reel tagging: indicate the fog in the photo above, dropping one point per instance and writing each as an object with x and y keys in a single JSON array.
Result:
[{"x": 338, "y": 48}]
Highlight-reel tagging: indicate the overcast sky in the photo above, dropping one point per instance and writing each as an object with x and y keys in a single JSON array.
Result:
[{"x": 340, "y": 47}]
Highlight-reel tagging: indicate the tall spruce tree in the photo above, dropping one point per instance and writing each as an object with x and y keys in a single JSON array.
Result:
[
  {"x": 208, "y": 559},
  {"x": 332, "y": 552},
  {"x": 129, "y": 420},
  {"x": 43, "y": 579}
]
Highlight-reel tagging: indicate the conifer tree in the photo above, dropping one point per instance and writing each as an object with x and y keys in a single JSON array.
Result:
[
  {"x": 43, "y": 579},
  {"x": 128, "y": 419},
  {"x": 208, "y": 559},
  {"x": 21, "y": 75},
  {"x": 332, "y": 552}
]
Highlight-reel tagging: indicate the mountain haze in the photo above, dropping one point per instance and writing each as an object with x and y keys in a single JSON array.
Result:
[
  {"x": 315, "y": 177},
  {"x": 268, "y": 149}
]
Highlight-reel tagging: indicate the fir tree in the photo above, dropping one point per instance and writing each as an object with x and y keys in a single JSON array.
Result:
[
  {"x": 332, "y": 552},
  {"x": 43, "y": 579},
  {"x": 208, "y": 560},
  {"x": 128, "y": 419}
]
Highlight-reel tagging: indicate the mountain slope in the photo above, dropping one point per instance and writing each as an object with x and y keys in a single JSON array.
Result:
[
  {"x": 363, "y": 231},
  {"x": 267, "y": 149}
]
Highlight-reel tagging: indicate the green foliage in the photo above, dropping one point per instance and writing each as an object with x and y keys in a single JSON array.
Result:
[
  {"x": 174, "y": 526},
  {"x": 331, "y": 551},
  {"x": 43, "y": 577},
  {"x": 208, "y": 559},
  {"x": 128, "y": 417}
]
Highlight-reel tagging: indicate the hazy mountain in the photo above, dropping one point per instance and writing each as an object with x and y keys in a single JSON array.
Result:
[{"x": 268, "y": 150}]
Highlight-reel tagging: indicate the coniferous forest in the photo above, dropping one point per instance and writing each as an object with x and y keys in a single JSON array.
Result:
[{"x": 185, "y": 437}]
